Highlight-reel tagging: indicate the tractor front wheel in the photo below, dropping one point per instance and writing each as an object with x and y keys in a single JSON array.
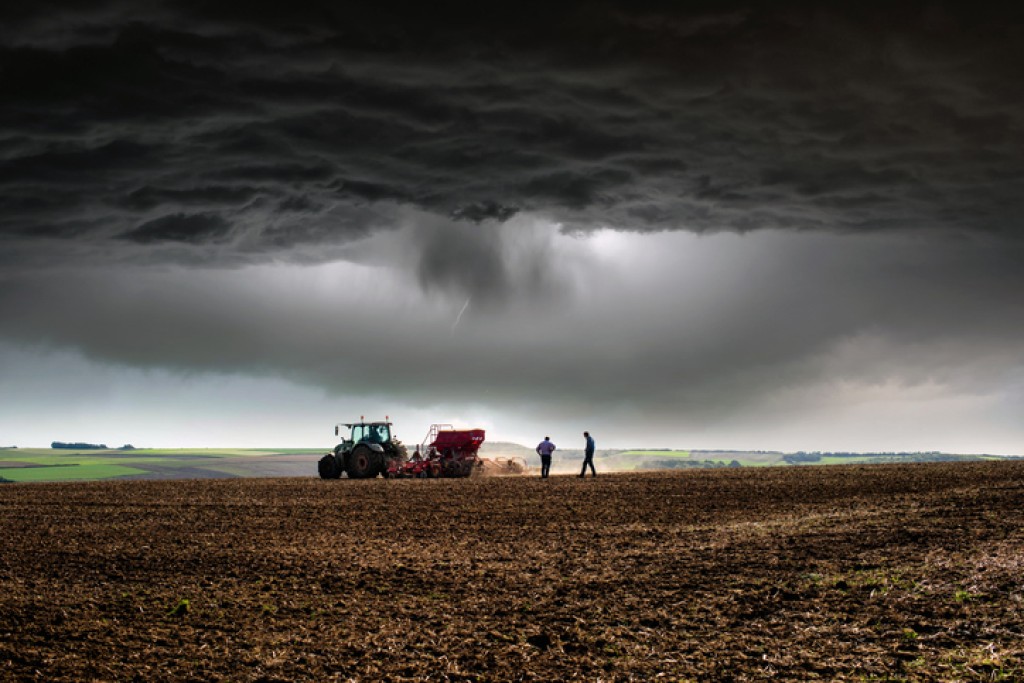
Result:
[
  {"x": 363, "y": 463},
  {"x": 328, "y": 467}
]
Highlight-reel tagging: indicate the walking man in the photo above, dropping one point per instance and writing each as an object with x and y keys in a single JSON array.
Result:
[
  {"x": 544, "y": 449},
  {"x": 588, "y": 456}
]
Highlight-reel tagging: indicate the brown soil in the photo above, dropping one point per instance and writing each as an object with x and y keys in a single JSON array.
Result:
[{"x": 906, "y": 572}]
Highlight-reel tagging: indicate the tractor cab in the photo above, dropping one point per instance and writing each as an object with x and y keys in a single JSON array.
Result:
[{"x": 366, "y": 432}]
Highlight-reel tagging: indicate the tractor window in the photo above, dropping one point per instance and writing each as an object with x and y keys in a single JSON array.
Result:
[
  {"x": 371, "y": 433},
  {"x": 377, "y": 433}
]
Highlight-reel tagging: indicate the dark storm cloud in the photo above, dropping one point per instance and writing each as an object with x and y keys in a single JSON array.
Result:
[
  {"x": 146, "y": 198},
  {"x": 694, "y": 116},
  {"x": 179, "y": 228},
  {"x": 482, "y": 211}
]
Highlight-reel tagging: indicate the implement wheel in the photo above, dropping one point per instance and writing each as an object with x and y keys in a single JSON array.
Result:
[
  {"x": 328, "y": 467},
  {"x": 363, "y": 463}
]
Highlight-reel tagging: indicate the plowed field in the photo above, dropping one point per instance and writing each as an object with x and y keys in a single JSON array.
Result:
[{"x": 906, "y": 572}]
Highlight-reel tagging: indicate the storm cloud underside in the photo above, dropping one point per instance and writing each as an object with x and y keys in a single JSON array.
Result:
[{"x": 315, "y": 193}]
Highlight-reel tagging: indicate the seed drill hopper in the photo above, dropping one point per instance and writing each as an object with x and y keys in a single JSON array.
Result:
[{"x": 445, "y": 452}]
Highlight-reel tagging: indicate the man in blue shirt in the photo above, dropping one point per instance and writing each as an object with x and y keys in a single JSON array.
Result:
[
  {"x": 588, "y": 456},
  {"x": 544, "y": 449}
]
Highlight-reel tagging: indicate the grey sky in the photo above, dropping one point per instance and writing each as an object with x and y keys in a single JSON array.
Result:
[{"x": 715, "y": 225}]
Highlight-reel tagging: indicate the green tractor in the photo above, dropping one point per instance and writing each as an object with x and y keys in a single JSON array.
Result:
[{"x": 369, "y": 450}]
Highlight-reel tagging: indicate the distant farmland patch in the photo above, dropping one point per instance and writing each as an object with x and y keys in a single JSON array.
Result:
[
  {"x": 659, "y": 454},
  {"x": 45, "y": 464},
  {"x": 645, "y": 459},
  {"x": 671, "y": 459},
  {"x": 68, "y": 472}
]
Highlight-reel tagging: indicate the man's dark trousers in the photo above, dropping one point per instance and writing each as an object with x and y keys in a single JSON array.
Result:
[
  {"x": 545, "y": 466},
  {"x": 588, "y": 459}
]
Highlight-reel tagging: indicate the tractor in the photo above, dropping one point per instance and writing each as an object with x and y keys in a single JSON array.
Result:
[
  {"x": 372, "y": 450},
  {"x": 368, "y": 451}
]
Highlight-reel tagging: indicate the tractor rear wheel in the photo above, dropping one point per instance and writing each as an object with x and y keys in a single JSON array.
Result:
[
  {"x": 363, "y": 463},
  {"x": 328, "y": 467}
]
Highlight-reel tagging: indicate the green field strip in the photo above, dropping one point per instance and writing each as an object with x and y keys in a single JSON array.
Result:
[
  {"x": 843, "y": 460},
  {"x": 67, "y": 473},
  {"x": 224, "y": 453},
  {"x": 47, "y": 456},
  {"x": 197, "y": 452},
  {"x": 655, "y": 454},
  {"x": 60, "y": 460},
  {"x": 50, "y": 461}
]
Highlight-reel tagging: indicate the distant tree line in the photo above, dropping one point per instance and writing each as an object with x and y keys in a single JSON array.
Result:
[
  {"x": 82, "y": 446},
  {"x": 801, "y": 457},
  {"x": 79, "y": 446}
]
